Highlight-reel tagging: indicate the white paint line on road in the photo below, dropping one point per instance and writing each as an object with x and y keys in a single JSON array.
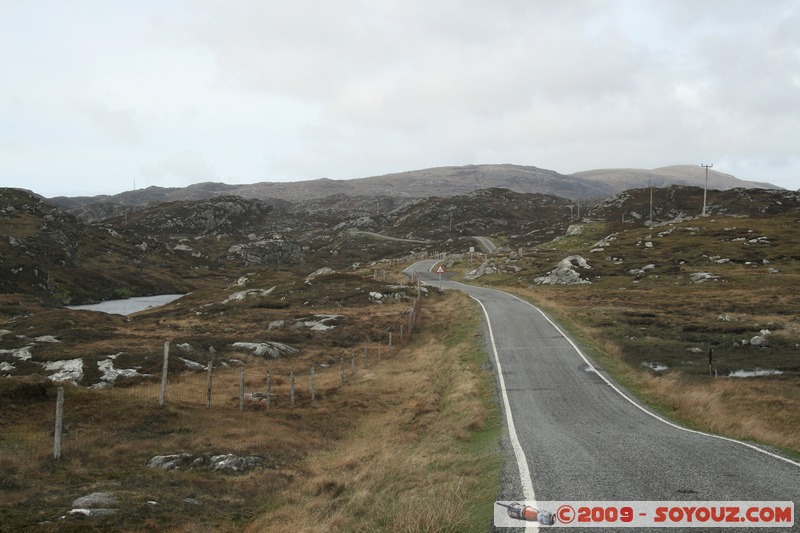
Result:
[
  {"x": 522, "y": 462},
  {"x": 646, "y": 411}
]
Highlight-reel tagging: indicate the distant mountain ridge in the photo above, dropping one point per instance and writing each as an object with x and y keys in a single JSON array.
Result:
[
  {"x": 631, "y": 178},
  {"x": 441, "y": 182}
]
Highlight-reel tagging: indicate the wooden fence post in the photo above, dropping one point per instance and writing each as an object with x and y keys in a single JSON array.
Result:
[
  {"x": 269, "y": 388},
  {"x": 313, "y": 384},
  {"x": 162, "y": 397},
  {"x": 208, "y": 388},
  {"x": 241, "y": 389},
  {"x": 353, "y": 365},
  {"x": 291, "y": 387},
  {"x": 59, "y": 424},
  {"x": 366, "y": 362},
  {"x": 341, "y": 364}
]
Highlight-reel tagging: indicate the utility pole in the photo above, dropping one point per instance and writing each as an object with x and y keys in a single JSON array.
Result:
[
  {"x": 651, "y": 201},
  {"x": 705, "y": 190}
]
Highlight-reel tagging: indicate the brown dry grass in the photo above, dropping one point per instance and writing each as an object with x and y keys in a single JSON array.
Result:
[
  {"x": 422, "y": 457},
  {"x": 765, "y": 410},
  {"x": 412, "y": 435}
]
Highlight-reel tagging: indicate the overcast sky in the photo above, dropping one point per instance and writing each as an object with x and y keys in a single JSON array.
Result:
[{"x": 99, "y": 96}]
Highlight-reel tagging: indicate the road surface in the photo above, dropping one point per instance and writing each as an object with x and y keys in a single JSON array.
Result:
[
  {"x": 489, "y": 245},
  {"x": 581, "y": 437}
]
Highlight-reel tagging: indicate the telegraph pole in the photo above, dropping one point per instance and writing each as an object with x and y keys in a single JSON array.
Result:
[{"x": 705, "y": 191}]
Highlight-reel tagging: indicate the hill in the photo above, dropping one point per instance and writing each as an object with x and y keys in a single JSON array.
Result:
[
  {"x": 632, "y": 178},
  {"x": 442, "y": 182},
  {"x": 656, "y": 296}
]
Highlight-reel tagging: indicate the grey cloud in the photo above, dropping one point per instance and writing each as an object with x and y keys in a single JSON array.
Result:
[
  {"x": 186, "y": 165},
  {"x": 118, "y": 125}
]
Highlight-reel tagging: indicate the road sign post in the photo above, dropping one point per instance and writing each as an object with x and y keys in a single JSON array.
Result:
[{"x": 440, "y": 271}]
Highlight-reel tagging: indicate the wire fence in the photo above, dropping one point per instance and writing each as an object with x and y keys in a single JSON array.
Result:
[{"x": 280, "y": 385}]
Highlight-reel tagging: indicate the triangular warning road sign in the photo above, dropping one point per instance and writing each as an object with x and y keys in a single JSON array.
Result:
[{"x": 440, "y": 270}]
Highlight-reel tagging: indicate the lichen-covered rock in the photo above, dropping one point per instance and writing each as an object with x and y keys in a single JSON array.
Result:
[{"x": 565, "y": 273}]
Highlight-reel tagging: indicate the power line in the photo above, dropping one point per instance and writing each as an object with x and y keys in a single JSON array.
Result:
[{"x": 705, "y": 190}]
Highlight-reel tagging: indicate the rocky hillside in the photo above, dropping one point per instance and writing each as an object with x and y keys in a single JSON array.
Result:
[
  {"x": 173, "y": 246},
  {"x": 682, "y": 202},
  {"x": 691, "y": 175},
  {"x": 442, "y": 182},
  {"x": 48, "y": 253}
]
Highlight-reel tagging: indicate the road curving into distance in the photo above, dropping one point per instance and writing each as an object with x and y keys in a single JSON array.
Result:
[
  {"x": 577, "y": 435},
  {"x": 489, "y": 245}
]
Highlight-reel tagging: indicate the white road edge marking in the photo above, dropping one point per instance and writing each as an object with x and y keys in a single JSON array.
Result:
[
  {"x": 646, "y": 411},
  {"x": 528, "y": 493},
  {"x": 522, "y": 462},
  {"x": 665, "y": 421}
]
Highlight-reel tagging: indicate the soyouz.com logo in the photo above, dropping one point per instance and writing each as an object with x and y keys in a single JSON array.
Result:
[{"x": 642, "y": 514}]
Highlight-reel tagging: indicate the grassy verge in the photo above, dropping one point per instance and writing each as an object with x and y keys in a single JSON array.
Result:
[
  {"x": 408, "y": 444},
  {"x": 763, "y": 410},
  {"x": 423, "y": 455}
]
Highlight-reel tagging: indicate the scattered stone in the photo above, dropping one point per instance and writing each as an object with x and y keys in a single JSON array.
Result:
[
  {"x": 233, "y": 463},
  {"x": 68, "y": 370},
  {"x": 486, "y": 268},
  {"x": 273, "y": 349},
  {"x": 641, "y": 271},
  {"x": 241, "y": 295},
  {"x": 192, "y": 364},
  {"x": 225, "y": 463},
  {"x": 701, "y": 277},
  {"x": 760, "y": 341},
  {"x": 92, "y": 513},
  {"x": 276, "y": 324},
  {"x": 758, "y": 372},
  {"x": 23, "y": 354},
  {"x": 110, "y": 374},
  {"x": 319, "y": 272},
  {"x": 574, "y": 229},
  {"x": 93, "y": 506},
  {"x": 95, "y": 499},
  {"x": 605, "y": 242}
]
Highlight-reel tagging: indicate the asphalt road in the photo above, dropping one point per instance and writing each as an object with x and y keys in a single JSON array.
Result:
[
  {"x": 581, "y": 437},
  {"x": 489, "y": 245}
]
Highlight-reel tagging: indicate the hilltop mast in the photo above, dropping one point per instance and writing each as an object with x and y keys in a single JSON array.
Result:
[{"x": 705, "y": 190}]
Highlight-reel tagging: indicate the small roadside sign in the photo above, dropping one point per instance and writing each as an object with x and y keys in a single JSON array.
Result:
[{"x": 440, "y": 270}]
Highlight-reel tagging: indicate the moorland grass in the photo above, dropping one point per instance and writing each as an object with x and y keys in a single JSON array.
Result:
[{"x": 409, "y": 443}]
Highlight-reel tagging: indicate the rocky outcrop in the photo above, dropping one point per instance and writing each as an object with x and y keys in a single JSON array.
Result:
[
  {"x": 271, "y": 349},
  {"x": 224, "y": 463},
  {"x": 266, "y": 252},
  {"x": 565, "y": 273}
]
